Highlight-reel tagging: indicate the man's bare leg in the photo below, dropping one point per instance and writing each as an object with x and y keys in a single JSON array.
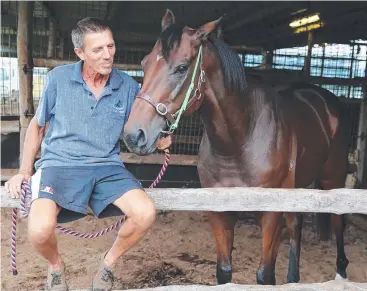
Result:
[
  {"x": 42, "y": 220},
  {"x": 140, "y": 210},
  {"x": 41, "y": 231}
]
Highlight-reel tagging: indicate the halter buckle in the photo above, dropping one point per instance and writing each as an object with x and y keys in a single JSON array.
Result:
[{"x": 163, "y": 113}]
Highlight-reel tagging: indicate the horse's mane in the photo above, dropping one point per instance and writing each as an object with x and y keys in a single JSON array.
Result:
[{"x": 233, "y": 69}]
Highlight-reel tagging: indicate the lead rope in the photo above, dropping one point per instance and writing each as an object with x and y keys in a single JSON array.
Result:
[{"x": 25, "y": 201}]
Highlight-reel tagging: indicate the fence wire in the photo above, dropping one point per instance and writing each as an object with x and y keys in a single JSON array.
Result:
[
  {"x": 9, "y": 81},
  {"x": 344, "y": 61}
]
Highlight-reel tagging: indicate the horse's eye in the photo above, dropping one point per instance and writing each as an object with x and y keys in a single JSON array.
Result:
[{"x": 181, "y": 69}]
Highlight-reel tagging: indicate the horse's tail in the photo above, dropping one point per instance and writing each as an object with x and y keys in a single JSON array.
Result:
[
  {"x": 323, "y": 221},
  {"x": 338, "y": 150}
]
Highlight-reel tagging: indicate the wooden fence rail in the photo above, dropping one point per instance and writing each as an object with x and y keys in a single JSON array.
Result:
[
  {"x": 335, "y": 285},
  {"x": 338, "y": 201}
]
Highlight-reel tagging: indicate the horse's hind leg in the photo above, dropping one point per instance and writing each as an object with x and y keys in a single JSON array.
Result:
[
  {"x": 271, "y": 224},
  {"x": 222, "y": 224},
  {"x": 333, "y": 176},
  {"x": 338, "y": 226},
  {"x": 294, "y": 225}
]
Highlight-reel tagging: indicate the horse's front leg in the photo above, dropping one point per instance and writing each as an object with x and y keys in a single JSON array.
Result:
[
  {"x": 222, "y": 224},
  {"x": 271, "y": 224}
]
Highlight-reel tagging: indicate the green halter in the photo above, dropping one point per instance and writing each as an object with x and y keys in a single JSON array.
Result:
[{"x": 174, "y": 125}]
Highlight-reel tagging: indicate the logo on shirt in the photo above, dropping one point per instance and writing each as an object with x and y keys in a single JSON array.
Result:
[
  {"x": 119, "y": 107},
  {"x": 47, "y": 189}
]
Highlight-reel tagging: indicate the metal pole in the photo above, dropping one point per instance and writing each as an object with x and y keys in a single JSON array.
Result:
[
  {"x": 362, "y": 135},
  {"x": 309, "y": 54}
]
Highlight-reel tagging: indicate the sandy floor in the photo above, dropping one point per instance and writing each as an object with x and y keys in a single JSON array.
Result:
[{"x": 178, "y": 250}]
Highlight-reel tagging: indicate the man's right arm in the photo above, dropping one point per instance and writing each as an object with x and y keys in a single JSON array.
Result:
[
  {"x": 34, "y": 136},
  {"x": 32, "y": 145}
]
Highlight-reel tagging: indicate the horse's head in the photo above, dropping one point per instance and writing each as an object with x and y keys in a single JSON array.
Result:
[{"x": 172, "y": 85}]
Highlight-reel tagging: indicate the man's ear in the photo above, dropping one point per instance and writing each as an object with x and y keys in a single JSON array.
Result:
[{"x": 79, "y": 52}]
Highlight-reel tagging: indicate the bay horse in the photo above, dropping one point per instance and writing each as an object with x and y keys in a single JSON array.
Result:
[{"x": 255, "y": 135}]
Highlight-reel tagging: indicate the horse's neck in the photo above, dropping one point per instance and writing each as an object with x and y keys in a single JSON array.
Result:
[
  {"x": 225, "y": 119},
  {"x": 233, "y": 122}
]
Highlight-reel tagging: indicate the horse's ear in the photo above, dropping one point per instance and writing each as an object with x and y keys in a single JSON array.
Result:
[
  {"x": 168, "y": 19},
  {"x": 219, "y": 32},
  {"x": 208, "y": 28}
]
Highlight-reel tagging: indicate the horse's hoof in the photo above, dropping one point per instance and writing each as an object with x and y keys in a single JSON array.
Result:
[
  {"x": 293, "y": 280},
  {"x": 224, "y": 275},
  {"x": 339, "y": 277},
  {"x": 263, "y": 278}
]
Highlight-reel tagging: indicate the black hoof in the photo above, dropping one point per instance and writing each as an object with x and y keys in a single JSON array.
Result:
[
  {"x": 293, "y": 279},
  {"x": 265, "y": 278},
  {"x": 224, "y": 274}
]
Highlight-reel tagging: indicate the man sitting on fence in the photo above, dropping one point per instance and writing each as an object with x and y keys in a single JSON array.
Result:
[{"x": 87, "y": 105}]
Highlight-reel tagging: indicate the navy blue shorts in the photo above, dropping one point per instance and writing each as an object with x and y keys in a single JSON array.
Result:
[{"x": 76, "y": 188}]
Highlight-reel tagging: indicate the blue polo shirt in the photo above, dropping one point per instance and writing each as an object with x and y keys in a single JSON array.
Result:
[{"x": 83, "y": 131}]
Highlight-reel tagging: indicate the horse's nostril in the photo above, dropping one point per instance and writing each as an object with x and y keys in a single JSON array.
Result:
[
  {"x": 135, "y": 139},
  {"x": 141, "y": 138}
]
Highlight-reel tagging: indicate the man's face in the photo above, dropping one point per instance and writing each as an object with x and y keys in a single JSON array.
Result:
[{"x": 98, "y": 51}]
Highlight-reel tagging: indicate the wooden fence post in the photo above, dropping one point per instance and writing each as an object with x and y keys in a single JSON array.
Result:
[
  {"x": 51, "y": 39},
  {"x": 25, "y": 65}
]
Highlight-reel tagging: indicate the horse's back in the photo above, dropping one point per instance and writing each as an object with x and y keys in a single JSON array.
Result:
[
  {"x": 320, "y": 107},
  {"x": 316, "y": 118}
]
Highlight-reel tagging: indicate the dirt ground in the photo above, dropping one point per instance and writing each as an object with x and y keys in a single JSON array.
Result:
[{"x": 179, "y": 249}]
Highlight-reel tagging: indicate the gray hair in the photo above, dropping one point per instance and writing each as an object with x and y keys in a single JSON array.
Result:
[{"x": 84, "y": 26}]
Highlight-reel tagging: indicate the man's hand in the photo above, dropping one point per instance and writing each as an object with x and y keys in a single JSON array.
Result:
[
  {"x": 14, "y": 185},
  {"x": 164, "y": 142}
]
